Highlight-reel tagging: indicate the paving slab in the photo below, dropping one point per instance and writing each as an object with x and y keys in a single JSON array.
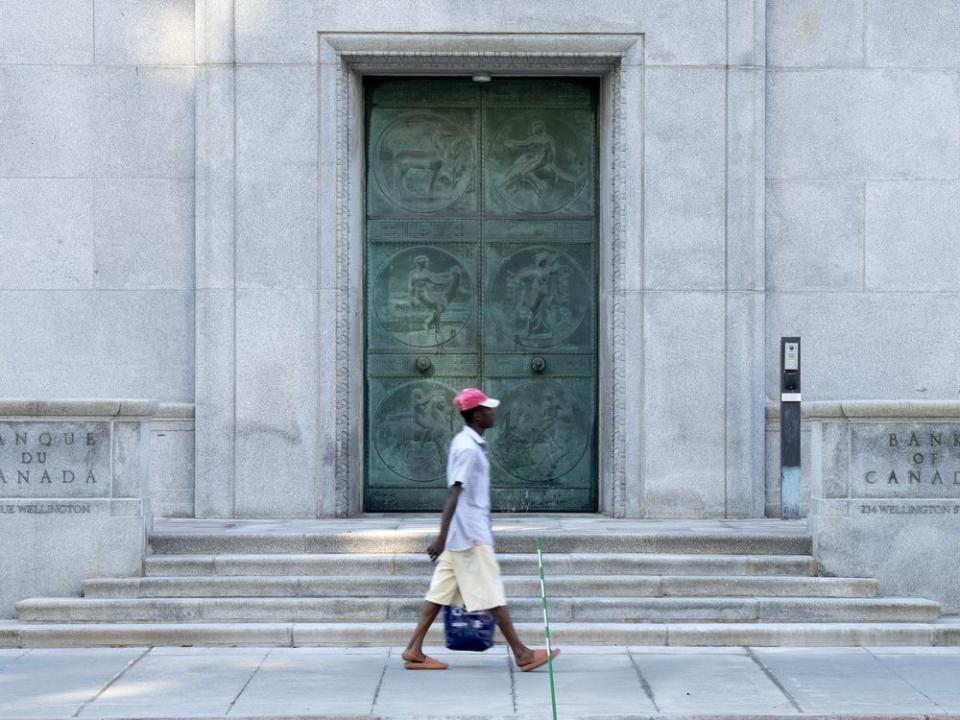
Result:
[
  {"x": 57, "y": 683},
  {"x": 714, "y": 684},
  {"x": 934, "y": 672},
  {"x": 586, "y": 683},
  {"x": 609, "y": 682},
  {"x": 189, "y": 683},
  {"x": 306, "y": 681},
  {"x": 843, "y": 680},
  {"x": 475, "y": 683}
]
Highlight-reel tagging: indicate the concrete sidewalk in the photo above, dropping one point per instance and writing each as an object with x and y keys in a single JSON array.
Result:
[{"x": 591, "y": 682}]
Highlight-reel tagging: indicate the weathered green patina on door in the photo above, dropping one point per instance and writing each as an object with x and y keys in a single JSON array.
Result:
[{"x": 481, "y": 264}]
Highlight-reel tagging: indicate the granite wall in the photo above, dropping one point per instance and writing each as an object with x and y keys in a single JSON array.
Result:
[
  {"x": 863, "y": 198},
  {"x": 97, "y": 198},
  {"x": 271, "y": 389},
  {"x": 161, "y": 216}
]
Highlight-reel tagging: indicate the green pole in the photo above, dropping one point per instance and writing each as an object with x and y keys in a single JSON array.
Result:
[{"x": 546, "y": 627}]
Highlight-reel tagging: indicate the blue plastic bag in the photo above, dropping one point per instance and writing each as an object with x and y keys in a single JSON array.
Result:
[{"x": 471, "y": 631}]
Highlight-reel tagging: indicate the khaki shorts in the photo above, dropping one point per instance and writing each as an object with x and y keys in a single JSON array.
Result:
[{"x": 467, "y": 577}]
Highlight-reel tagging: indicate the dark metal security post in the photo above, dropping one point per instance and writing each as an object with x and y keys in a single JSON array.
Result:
[{"x": 789, "y": 427}]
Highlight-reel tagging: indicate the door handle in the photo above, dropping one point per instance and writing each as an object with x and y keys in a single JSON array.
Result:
[
  {"x": 424, "y": 364},
  {"x": 538, "y": 364}
]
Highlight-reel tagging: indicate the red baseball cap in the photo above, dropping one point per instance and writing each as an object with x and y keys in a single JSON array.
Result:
[{"x": 469, "y": 398}]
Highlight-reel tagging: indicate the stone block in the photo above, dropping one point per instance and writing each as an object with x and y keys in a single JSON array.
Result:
[
  {"x": 684, "y": 172},
  {"x": 899, "y": 542},
  {"x": 744, "y": 403},
  {"x": 851, "y": 124},
  {"x": 865, "y": 345},
  {"x": 833, "y": 478},
  {"x": 277, "y": 115},
  {"x": 904, "y": 460},
  {"x": 46, "y": 234},
  {"x": 328, "y": 332},
  {"x": 680, "y": 32},
  {"x": 921, "y": 33},
  {"x": 632, "y": 406},
  {"x": 215, "y": 177},
  {"x": 268, "y": 32},
  {"x": 47, "y": 117},
  {"x": 131, "y": 460},
  {"x": 215, "y": 438},
  {"x": 631, "y": 132},
  {"x": 277, "y": 227},
  {"x": 146, "y": 335},
  {"x": 214, "y": 31},
  {"x": 746, "y": 32},
  {"x": 144, "y": 32},
  {"x": 328, "y": 156},
  {"x": 277, "y": 177},
  {"x": 676, "y": 33},
  {"x": 815, "y": 33},
  {"x": 815, "y": 236},
  {"x": 745, "y": 179},
  {"x": 55, "y": 459},
  {"x": 46, "y": 32},
  {"x": 277, "y": 405},
  {"x": 144, "y": 234},
  {"x": 145, "y": 122},
  {"x": 683, "y": 429},
  {"x": 910, "y": 227},
  {"x": 61, "y": 549},
  {"x": 171, "y": 470}
]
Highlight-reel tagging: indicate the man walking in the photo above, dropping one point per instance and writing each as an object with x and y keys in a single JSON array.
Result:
[{"x": 467, "y": 568}]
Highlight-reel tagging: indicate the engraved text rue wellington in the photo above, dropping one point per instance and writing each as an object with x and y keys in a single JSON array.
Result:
[{"x": 481, "y": 270}]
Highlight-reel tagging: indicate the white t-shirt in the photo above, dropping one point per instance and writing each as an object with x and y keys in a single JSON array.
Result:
[{"x": 467, "y": 464}]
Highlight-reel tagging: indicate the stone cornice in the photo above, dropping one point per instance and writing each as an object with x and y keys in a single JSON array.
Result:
[
  {"x": 127, "y": 408},
  {"x": 861, "y": 409}
]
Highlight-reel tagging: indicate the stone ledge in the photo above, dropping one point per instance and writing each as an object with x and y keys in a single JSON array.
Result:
[
  {"x": 857, "y": 409},
  {"x": 126, "y": 408},
  {"x": 25, "y": 635},
  {"x": 621, "y": 47},
  {"x": 175, "y": 411}
]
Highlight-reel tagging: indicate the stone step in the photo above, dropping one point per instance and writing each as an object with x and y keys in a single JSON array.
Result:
[
  {"x": 325, "y": 564},
  {"x": 523, "y": 541},
  {"x": 397, "y": 586},
  {"x": 14, "y": 634},
  {"x": 562, "y": 609}
]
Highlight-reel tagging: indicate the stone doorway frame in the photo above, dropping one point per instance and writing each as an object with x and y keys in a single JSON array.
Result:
[{"x": 617, "y": 60}]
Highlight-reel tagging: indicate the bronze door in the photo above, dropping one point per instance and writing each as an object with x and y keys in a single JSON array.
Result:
[{"x": 481, "y": 270}]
